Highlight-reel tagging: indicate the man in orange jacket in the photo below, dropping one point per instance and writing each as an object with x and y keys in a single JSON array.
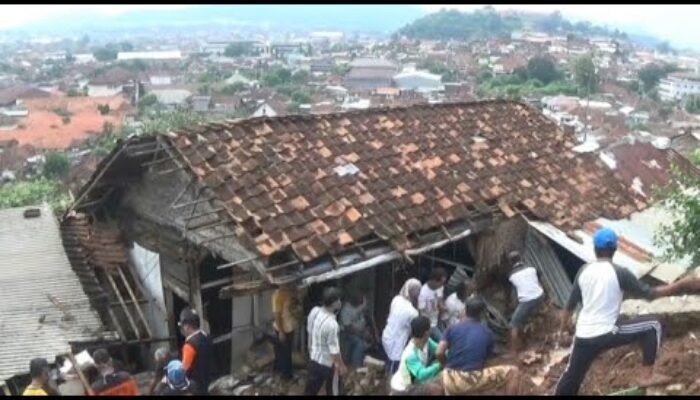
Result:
[{"x": 197, "y": 355}]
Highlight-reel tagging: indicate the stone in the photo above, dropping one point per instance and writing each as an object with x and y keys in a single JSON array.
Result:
[
  {"x": 224, "y": 385},
  {"x": 239, "y": 390},
  {"x": 372, "y": 362},
  {"x": 260, "y": 378}
]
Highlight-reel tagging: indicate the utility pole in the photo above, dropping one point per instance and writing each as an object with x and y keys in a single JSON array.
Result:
[{"x": 588, "y": 98}]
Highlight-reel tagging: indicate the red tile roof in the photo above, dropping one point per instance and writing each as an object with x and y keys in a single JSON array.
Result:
[{"x": 407, "y": 170}]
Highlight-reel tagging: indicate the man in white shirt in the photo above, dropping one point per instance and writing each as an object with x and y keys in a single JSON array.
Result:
[
  {"x": 530, "y": 296},
  {"x": 326, "y": 364},
  {"x": 455, "y": 303},
  {"x": 600, "y": 287},
  {"x": 431, "y": 302}
]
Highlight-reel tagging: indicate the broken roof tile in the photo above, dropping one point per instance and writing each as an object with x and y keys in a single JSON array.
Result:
[{"x": 418, "y": 166}]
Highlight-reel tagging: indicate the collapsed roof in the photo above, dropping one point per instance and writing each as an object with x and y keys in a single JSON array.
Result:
[{"x": 313, "y": 186}]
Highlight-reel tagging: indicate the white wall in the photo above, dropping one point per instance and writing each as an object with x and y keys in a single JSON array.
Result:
[
  {"x": 147, "y": 267},
  {"x": 103, "y": 90}
]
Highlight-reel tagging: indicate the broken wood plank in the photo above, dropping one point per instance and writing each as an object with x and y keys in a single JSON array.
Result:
[
  {"x": 136, "y": 304},
  {"x": 214, "y": 211},
  {"x": 83, "y": 380},
  {"x": 193, "y": 202},
  {"x": 216, "y": 283},
  {"x": 137, "y": 332},
  {"x": 448, "y": 262},
  {"x": 234, "y": 263}
]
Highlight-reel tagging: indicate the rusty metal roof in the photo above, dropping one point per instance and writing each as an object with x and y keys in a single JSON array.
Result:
[
  {"x": 319, "y": 184},
  {"x": 44, "y": 307}
]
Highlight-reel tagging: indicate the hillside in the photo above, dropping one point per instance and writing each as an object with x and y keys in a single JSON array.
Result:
[{"x": 486, "y": 22}]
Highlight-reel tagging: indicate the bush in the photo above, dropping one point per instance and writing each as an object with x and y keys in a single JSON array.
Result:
[
  {"x": 301, "y": 98},
  {"x": 56, "y": 165},
  {"x": 34, "y": 192},
  {"x": 103, "y": 109}
]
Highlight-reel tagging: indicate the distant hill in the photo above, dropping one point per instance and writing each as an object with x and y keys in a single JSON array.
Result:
[
  {"x": 349, "y": 18},
  {"x": 486, "y": 22},
  {"x": 452, "y": 24}
]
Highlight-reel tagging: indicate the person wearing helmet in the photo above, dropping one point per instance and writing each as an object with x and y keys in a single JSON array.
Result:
[
  {"x": 600, "y": 286},
  {"x": 176, "y": 381}
]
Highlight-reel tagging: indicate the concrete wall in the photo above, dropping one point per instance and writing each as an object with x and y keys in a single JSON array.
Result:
[
  {"x": 248, "y": 311},
  {"x": 103, "y": 90}
]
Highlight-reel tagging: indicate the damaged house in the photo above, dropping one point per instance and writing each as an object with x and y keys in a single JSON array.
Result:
[
  {"x": 45, "y": 312},
  {"x": 219, "y": 214}
]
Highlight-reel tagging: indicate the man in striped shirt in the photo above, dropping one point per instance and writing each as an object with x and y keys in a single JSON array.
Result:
[{"x": 326, "y": 365}]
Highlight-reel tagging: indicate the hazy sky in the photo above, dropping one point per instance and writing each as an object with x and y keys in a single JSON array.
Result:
[{"x": 677, "y": 23}]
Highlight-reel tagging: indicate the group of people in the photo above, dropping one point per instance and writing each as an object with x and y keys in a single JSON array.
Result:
[
  {"x": 432, "y": 345},
  {"x": 424, "y": 334},
  {"x": 442, "y": 346},
  {"x": 187, "y": 376}
]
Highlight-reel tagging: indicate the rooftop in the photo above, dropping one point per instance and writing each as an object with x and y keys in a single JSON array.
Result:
[
  {"x": 395, "y": 172},
  {"x": 45, "y": 309}
]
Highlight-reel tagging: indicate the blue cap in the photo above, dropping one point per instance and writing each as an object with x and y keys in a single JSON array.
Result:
[
  {"x": 176, "y": 374},
  {"x": 605, "y": 238}
]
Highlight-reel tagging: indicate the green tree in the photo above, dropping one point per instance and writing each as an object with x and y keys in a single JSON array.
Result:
[
  {"x": 650, "y": 75},
  {"x": 300, "y": 77},
  {"x": 692, "y": 104},
  {"x": 276, "y": 77},
  {"x": 234, "y": 88},
  {"x": 341, "y": 69},
  {"x": 238, "y": 50},
  {"x": 126, "y": 46},
  {"x": 552, "y": 22},
  {"x": 148, "y": 100},
  {"x": 166, "y": 121},
  {"x": 105, "y": 54},
  {"x": 56, "y": 165},
  {"x": 585, "y": 74},
  {"x": 664, "y": 47},
  {"x": 680, "y": 235},
  {"x": 301, "y": 98},
  {"x": 543, "y": 69}
]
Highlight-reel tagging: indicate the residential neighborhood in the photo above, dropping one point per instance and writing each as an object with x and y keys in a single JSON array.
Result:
[{"x": 202, "y": 182}]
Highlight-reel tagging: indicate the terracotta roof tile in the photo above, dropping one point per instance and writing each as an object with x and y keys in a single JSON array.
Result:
[{"x": 320, "y": 183}]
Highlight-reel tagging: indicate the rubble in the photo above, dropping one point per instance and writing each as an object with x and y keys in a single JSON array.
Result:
[{"x": 261, "y": 355}]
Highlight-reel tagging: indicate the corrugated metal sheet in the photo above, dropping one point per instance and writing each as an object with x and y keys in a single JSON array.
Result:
[
  {"x": 35, "y": 269},
  {"x": 540, "y": 255},
  {"x": 639, "y": 230},
  {"x": 584, "y": 250}
]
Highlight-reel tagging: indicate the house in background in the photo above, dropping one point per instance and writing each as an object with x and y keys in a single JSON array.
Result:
[
  {"x": 200, "y": 103},
  {"x": 369, "y": 74},
  {"x": 172, "y": 99},
  {"x": 110, "y": 83},
  {"x": 419, "y": 81}
]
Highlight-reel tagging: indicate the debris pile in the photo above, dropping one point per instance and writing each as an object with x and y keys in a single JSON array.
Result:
[
  {"x": 616, "y": 371},
  {"x": 368, "y": 380}
]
